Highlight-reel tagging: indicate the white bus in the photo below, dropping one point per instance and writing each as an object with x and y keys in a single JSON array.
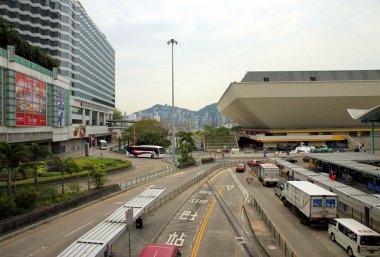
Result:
[
  {"x": 357, "y": 239},
  {"x": 152, "y": 151},
  {"x": 102, "y": 144}
]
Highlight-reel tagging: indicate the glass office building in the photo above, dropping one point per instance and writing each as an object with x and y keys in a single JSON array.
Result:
[{"x": 63, "y": 29}]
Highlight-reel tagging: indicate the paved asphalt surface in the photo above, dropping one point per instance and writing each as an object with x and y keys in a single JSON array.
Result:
[{"x": 205, "y": 220}]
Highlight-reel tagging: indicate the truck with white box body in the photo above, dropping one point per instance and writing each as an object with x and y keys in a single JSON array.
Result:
[
  {"x": 312, "y": 204},
  {"x": 268, "y": 173}
]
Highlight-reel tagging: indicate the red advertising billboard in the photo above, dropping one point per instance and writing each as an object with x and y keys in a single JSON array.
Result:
[{"x": 30, "y": 101}]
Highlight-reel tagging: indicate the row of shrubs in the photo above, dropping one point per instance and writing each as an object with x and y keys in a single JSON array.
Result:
[
  {"x": 29, "y": 198},
  {"x": 190, "y": 161},
  {"x": 45, "y": 177},
  {"x": 207, "y": 159}
]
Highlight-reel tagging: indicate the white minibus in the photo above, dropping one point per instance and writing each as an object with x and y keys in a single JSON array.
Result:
[
  {"x": 357, "y": 239},
  {"x": 102, "y": 144}
]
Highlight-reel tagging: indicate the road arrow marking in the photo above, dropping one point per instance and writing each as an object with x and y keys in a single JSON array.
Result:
[{"x": 229, "y": 187}]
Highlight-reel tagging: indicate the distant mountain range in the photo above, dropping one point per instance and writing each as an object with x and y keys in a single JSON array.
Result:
[
  {"x": 210, "y": 109},
  {"x": 208, "y": 115}
]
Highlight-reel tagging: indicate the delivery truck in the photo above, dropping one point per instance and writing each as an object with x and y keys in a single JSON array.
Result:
[
  {"x": 268, "y": 173},
  {"x": 312, "y": 204}
]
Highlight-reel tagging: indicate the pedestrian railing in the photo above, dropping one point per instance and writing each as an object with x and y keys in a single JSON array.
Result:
[{"x": 279, "y": 239}]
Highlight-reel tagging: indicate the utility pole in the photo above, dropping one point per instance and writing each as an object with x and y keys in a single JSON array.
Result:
[{"x": 172, "y": 42}]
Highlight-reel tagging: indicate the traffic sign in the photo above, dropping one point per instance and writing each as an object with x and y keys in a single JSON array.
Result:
[{"x": 249, "y": 180}]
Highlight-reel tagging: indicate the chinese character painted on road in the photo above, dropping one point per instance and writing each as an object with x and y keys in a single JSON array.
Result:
[
  {"x": 206, "y": 192},
  {"x": 185, "y": 215},
  {"x": 175, "y": 240}
]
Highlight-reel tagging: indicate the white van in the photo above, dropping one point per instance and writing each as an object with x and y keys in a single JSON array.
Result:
[{"x": 357, "y": 239}]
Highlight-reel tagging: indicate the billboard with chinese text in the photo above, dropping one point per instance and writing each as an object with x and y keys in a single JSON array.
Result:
[
  {"x": 30, "y": 101},
  {"x": 61, "y": 107}
]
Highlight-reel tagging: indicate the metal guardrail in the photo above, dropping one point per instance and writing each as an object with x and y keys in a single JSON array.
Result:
[{"x": 277, "y": 236}]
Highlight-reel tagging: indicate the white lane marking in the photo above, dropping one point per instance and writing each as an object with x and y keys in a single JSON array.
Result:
[
  {"x": 43, "y": 248},
  {"x": 229, "y": 187},
  {"x": 78, "y": 229},
  {"x": 243, "y": 190}
]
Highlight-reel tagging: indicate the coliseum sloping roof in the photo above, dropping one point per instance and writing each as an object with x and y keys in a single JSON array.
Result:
[
  {"x": 300, "y": 99},
  {"x": 286, "y": 76}
]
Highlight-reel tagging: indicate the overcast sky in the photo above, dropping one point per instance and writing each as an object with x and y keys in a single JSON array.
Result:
[{"x": 219, "y": 41}]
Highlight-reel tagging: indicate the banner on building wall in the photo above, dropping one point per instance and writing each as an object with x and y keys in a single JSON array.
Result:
[
  {"x": 61, "y": 107},
  {"x": 30, "y": 101},
  {"x": 79, "y": 131}
]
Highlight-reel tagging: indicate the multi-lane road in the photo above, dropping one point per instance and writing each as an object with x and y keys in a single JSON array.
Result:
[{"x": 205, "y": 220}]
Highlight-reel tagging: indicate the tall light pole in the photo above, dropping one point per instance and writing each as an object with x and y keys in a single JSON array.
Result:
[{"x": 172, "y": 42}]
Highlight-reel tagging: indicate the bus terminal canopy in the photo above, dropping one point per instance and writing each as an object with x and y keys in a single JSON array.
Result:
[
  {"x": 350, "y": 161},
  {"x": 366, "y": 115},
  {"x": 99, "y": 239}
]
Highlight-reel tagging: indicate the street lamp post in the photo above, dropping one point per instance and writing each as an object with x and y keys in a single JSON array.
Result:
[{"x": 172, "y": 42}]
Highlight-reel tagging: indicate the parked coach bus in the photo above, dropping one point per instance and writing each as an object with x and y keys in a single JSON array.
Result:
[{"x": 152, "y": 151}]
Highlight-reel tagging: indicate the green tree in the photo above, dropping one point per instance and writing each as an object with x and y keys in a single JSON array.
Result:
[
  {"x": 7, "y": 206},
  {"x": 222, "y": 131},
  {"x": 149, "y": 137},
  {"x": 37, "y": 153},
  {"x": 209, "y": 130},
  {"x": 26, "y": 198},
  {"x": 141, "y": 128},
  {"x": 98, "y": 177},
  {"x": 184, "y": 150},
  {"x": 11, "y": 157},
  {"x": 126, "y": 136},
  {"x": 119, "y": 141},
  {"x": 188, "y": 138},
  {"x": 117, "y": 115},
  {"x": 67, "y": 165}
]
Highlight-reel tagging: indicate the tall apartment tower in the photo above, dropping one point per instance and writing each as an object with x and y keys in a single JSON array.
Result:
[{"x": 63, "y": 29}]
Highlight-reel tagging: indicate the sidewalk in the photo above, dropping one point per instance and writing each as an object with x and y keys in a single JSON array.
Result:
[{"x": 262, "y": 233}]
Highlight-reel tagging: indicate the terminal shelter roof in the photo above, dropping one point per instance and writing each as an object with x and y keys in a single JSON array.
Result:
[
  {"x": 366, "y": 115},
  {"x": 286, "y": 76}
]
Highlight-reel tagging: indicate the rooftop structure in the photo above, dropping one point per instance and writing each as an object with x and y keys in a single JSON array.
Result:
[{"x": 300, "y": 99}]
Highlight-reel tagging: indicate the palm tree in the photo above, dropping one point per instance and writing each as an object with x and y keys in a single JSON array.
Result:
[
  {"x": 37, "y": 153},
  {"x": 67, "y": 165},
  {"x": 187, "y": 137},
  {"x": 11, "y": 157}
]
